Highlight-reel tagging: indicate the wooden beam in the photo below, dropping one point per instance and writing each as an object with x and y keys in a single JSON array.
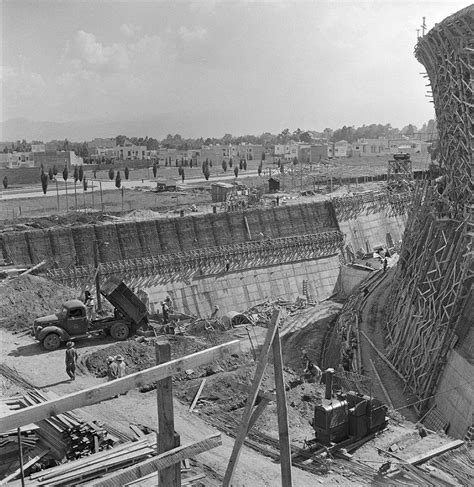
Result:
[
  {"x": 382, "y": 356},
  {"x": 256, "y": 413},
  {"x": 169, "y": 476},
  {"x": 423, "y": 457},
  {"x": 108, "y": 390},
  {"x": 282, "y": 411},
  {"x": 163, "y": 460},
  {"x": 197, "y": 395},
  {"x": 257, "y": 380},
  {"x": 26, "y": 466},
  {"x": 385, "y": 392}
]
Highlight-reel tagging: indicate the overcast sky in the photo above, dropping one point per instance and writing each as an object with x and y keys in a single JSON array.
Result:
[{"x": 267, "y": 65}]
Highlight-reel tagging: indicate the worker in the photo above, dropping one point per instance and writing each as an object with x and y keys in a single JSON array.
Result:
[
  {"x": 121, "y": 366},
  {"x": 165, "y": 311},
  {"x": 112, "y": 368},
  {"x": 385, "y": 263},
  {"x": 90, "y": 307},
  {"x": 87, "y": 296},
  {"x": 71, "y": 358},
  {"x": 311, "y": 372},
  {"x": 169, "y": 303}
]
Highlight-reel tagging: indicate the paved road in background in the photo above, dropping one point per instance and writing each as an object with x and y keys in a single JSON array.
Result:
[{"x": 107, "y": 184}]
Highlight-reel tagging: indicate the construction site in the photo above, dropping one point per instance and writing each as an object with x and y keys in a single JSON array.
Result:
[{"x": 324, "y": 338}]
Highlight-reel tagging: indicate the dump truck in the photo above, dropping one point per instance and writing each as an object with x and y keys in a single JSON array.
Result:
[{"x": 71, "y": 322}]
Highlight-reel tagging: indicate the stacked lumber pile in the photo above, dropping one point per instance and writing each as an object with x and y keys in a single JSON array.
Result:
[
  {"x": 81, "y": 471},
  {"x": 9, "y": 439},
  {"x": 66, "y": 434}
]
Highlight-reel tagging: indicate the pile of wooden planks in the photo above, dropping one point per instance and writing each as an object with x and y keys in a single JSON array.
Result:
[
  {"x": 65, "y": 435},
  {"x": 9, "y": 439},
  {"x": 82, "y": 470}
]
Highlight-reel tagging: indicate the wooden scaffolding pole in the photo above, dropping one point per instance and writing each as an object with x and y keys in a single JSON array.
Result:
[
  {"x": 249, "y": 416},
  {"x": 167, "y": 438}
]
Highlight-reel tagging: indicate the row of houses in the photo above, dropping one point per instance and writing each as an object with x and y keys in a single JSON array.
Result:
[
  {"x": 341, "y": 149},
  {"x": 45, "y": 159},
  {"x": 107, "y": 149}
]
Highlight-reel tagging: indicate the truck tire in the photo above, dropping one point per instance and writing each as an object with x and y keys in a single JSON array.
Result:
[
  {"x": 51, "y": 341},
  {"x": 119, "y": 331}
]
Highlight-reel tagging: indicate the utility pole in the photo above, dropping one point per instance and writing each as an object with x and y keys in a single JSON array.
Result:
[{"x": 97, "y": 280}]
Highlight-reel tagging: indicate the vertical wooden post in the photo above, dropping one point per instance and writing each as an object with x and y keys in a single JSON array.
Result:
[
  {"x": 101, "y": 200},
  {"x": 67, "y": 199},
  {"x": 247, "y": 414},
  {"x": 170, "y": 476},
  {"x": 20, "y": 452},
  {"x": 57, "y": 193},
  {"x": 282, "y": 411}
]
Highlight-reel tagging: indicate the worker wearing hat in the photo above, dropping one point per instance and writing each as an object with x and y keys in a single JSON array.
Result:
[
  {"x": 71, "y": 358},
  {"x": 121, "y": 366},
  {"x": 112, "y": 368}
]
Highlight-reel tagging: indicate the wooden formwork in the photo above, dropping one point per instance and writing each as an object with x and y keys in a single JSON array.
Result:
[{"x": 435, "y": 272}]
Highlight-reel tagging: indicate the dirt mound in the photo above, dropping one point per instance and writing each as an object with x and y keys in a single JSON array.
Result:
[
  {"x": 139, "y": 356},
  {"x": 25, "y": 298}
]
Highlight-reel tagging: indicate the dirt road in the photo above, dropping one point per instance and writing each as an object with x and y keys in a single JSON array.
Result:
[{"x": 46, "y": 370}]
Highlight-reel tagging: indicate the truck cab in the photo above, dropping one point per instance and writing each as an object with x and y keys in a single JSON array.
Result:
[
  {"x": 71, "y": 320},
  {"x": 75, "y": 317}
]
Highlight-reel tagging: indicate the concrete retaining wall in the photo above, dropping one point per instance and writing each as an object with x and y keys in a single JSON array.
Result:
[
  {"x": 128, "y": 240},
  {"x": 454, "y": 396},
  {"x": 237, "y": 291},
  {"x": 372, "y": 228}
]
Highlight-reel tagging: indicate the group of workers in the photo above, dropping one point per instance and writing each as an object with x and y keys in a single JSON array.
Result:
[{"x": 115, "y": 367}]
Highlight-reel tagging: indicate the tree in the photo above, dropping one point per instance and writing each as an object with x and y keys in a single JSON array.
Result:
[
  {"x": 120, "y": 139},
  {"x": 81, "y": 173},
  {"x": 295, "y": 160},
  {"x": 65, "y": 173},
  {"x": 224, "y": 165},
  {"x": 263, "y": 156},
  {"x": 55, "y": 170},
  {"x": 259, "y": 170},
  {"x": 245, "y": 164},
  {"x": 182, "y": 176},
  {"x": 111, "y": 173},
  {"x": 207, "y": 173},
  {"x": 76, "y": 174},
  {"x": 44, "y": 182},
  {"x": 155, "y": 169},
  {"x": 84, "y": 183},
  {"x": 5, "y": 182},
  {"x": 66, "y": 145},
  {"x": 236, "y": 171},
  {"x": 118, "y": 180},
  {"x": 409, "y": 130},
  {"x": 230, "y": 161},
  {"x": 127, "y": 172}
]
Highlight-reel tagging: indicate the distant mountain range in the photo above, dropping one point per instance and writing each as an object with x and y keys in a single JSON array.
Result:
[{"x": 157, "y": 126}]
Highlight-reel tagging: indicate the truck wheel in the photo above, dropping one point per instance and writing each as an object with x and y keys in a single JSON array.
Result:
[
  {"x": 119, "y": 331},
  {"x": 51, "y": 341}
]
